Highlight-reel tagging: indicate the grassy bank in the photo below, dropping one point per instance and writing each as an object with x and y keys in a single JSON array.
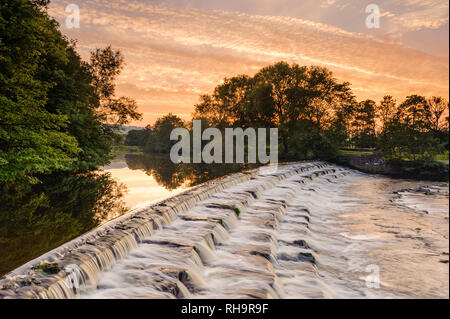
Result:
[
  {"x": 354, "y": 152},
  {"x": 372, "y": 163},
  {"x": 119, "y": 150}
]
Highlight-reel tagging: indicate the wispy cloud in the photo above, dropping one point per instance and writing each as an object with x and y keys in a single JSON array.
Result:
[{"x": 174, "y": 54}]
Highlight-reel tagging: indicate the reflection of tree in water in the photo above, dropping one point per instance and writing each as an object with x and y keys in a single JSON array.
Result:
[
  {"x": 160, "y": 167},
  {"x": 172, "y": 176},
  {"x": 37, "y": 218}
]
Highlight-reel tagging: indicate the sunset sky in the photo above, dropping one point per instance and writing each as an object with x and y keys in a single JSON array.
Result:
[{"x": 176, "y": 50}]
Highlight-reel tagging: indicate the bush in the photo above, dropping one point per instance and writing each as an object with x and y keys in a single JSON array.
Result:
[{"x": 422, "y": 170}]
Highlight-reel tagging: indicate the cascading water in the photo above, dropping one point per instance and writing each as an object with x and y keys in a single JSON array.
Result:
[{"x": 305, "y": 230}]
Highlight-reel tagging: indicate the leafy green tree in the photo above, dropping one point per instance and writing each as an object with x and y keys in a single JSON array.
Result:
[
  {"x": 399, "y": 141},
  {"x": 137, "y": 137},
  {"x": 159, "y": 140},
  {"x": 325, "y": 119},
  {"x": 32, "y": 138},
  {"x": 87, "y": 96},
  {"x": 105, "y": 65},
  {"x": 364, "y": 134},
  {"x": 386, "y": 110},
  {"x": 437, "y": 106},
  {"x": 55, "y": 109}
]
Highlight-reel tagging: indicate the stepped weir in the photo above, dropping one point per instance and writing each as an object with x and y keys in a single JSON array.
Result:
[{"x": 265, "y": 233}]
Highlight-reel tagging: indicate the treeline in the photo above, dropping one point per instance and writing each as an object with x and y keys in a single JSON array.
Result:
[
  {"x": 316, "y": 116},
  {"x": 156, "y": 138},
  {"x": 415, "y": 129},
  {"x": 57, "y": 112}
]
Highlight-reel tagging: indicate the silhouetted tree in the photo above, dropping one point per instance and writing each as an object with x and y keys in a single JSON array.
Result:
[
  {"x": 411, "y": 133},
  {"x": 159, "y": 134},
  {"x": 137, "y": 137},
  {"x": 309, "y": 106},
  {"x": 386, "y": 110},
  {"x": 364, "y": 134},
  {"x": 438, "y": 106}
]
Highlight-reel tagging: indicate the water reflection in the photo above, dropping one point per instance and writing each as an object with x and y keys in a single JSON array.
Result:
[
  {"x": 153, "y": 177},
  {"x": 35, "y": 219},
  {"x": 172, "y": 176}
]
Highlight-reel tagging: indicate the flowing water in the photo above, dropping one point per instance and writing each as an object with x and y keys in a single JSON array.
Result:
[
  {"x": 35, "y": 219},
  {"x": 323, "y": 233},
  {"x": 305, "y": 230}
]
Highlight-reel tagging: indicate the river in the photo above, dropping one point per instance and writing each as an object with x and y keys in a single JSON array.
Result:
[
  {"x": 343, "y": 235},
  {"x": 35, "y": 219},
  {"x": 310, "y": 230}
]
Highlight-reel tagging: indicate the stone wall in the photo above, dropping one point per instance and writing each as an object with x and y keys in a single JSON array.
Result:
[{"x": 372, "y": 163}]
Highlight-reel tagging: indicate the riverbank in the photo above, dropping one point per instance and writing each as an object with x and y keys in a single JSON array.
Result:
[
  {"x": 373, "y": 163},
  {"x": 119, "y": 151}
]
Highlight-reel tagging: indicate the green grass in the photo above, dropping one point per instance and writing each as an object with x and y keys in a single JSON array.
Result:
[
  {"x": 124, "y": 149},
  {"x": 346, "y": 152},
  {"x": 442, "y": 157}
]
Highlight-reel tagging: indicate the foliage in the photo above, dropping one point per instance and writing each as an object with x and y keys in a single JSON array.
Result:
[
  {"x": 307, "y": 104},
  {"x": 54, "y": 107},
  {"x": 159, "y": 141},
  {"x": 137, "y": 137},
  {"x": 363, "y": 124},
  {"x": 413, "y": 132},
  {"x": 386, "y": 110},
  {"x": 316, "y": 116},
  {"x": 37, "y": 218},
  {"x": 105, "y": 65},
  {"x": 156, "y": 138},
  {"x": 32, "y": 139}
]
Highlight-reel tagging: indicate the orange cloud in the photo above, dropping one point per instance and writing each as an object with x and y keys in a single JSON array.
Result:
[{"x": 174, "y": 55}]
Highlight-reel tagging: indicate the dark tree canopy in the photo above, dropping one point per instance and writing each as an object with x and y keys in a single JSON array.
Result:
[
  {"x": 364, "y": 131},
  {"x": 316, "y": 114},
  {"x": 54, "y": 107},
  {"x": 307, "y": 104},
  {"x": 416, "y": 131},
  {"x": 158, "y": 140}
]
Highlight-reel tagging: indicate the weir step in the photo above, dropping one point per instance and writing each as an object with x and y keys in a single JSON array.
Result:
[{"x": 173, "y": 248}]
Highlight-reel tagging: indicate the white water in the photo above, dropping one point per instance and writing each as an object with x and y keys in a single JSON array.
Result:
[
  {"x": 307, "y": 230},
  {"x": 321, "y": 233}
]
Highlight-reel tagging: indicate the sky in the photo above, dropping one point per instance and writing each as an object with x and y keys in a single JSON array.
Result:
[{"x": 176, "y": 50}]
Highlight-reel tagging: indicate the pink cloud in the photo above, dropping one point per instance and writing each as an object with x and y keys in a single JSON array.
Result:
[{"x": 174, "y": 54}]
